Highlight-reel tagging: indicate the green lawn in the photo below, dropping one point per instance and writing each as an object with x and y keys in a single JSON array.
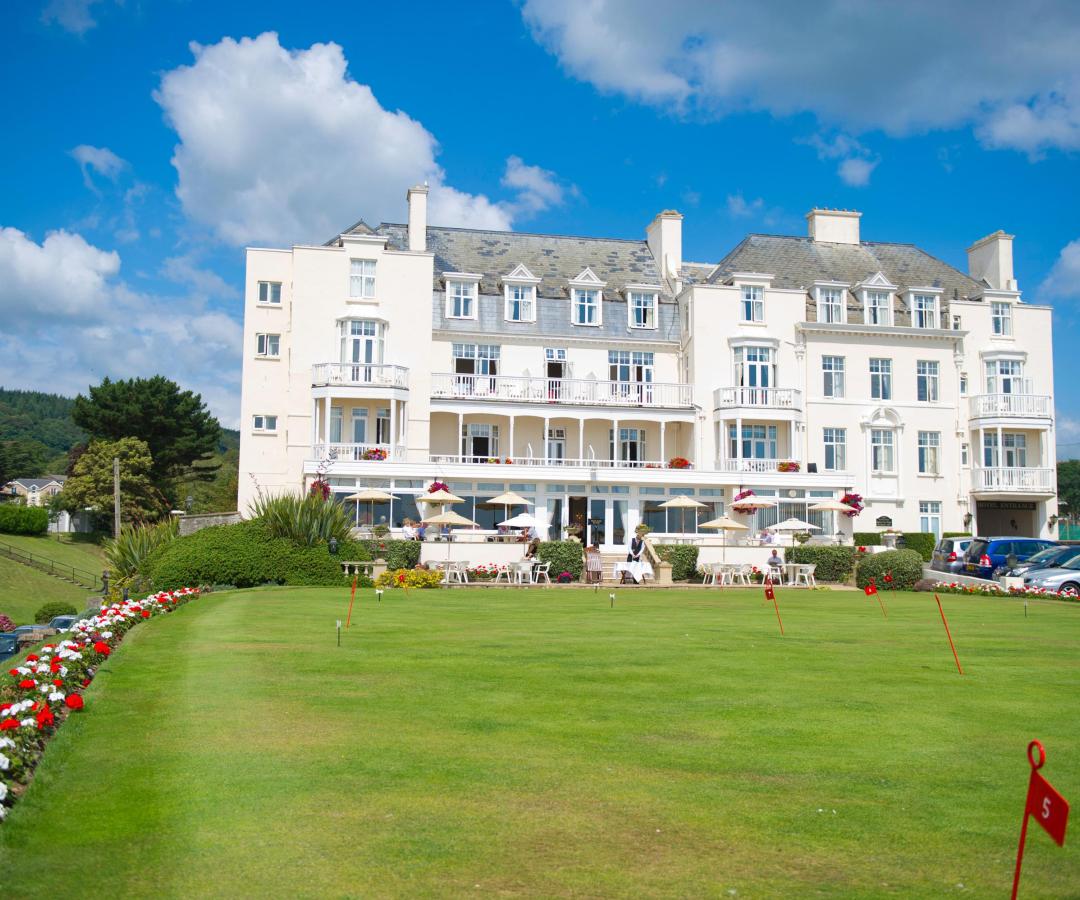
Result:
[
  {"x": 24, "y": 589},
  {"x": 81, "y": 554},
  {"x": 541, "y": 743}
]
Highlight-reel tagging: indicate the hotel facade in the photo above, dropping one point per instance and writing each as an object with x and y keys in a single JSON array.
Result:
[{"x": 601, "y": 377}]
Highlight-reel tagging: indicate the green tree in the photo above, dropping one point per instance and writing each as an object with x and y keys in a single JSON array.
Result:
[
  {"x": 22, "y": 458},
  {"x": 1068, "y": 481},
  {"x": 91, "y": 483},
  {"x": 176, "y": 425}
]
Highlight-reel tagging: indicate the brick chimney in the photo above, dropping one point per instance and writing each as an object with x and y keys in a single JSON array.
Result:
[
  {"x": 834, "y": 226},
  {"x": 417, "y": 197},
  {"x": 990, "y": 259}
]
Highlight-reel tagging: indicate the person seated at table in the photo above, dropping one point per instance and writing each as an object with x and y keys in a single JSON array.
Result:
[
  {"x": 531, "y": 550},
  {"x": 767, "y": 537},
  {"x": 523, "y": 538},
  {"x": 775, "y": 559},
  {"x": 594, "y": 564},
  {"x": 408, "y": 530}
]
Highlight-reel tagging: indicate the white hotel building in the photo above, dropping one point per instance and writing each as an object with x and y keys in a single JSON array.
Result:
[{"x": 575, "y": 370}]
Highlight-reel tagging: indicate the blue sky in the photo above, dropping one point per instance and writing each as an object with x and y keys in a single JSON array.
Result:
[{"x": 153, "y": 141}]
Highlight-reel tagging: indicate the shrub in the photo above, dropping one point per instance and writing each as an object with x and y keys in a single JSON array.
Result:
[
  {"x": 6, "y": 624},
  {"x": 905, "y": 566},
  {"x": 307, "y": 520},
  {"x": 397, "y": 554},
  {"x": 834, "y": 564},
  {"x": 683, "y": 559},
  {"x": 18, "y": 519},
  {"x": 564, "y": 556},
  {"x": 867, "y": 538},
  {"x": 413, "y": 578},
  {"x": 50, "y": 611},
  {"x": 922, "y": 542},
  {"x": 952, "y": 534},
  {"x": 245, "y": 555},
  {"x": 136, "y": 542}
]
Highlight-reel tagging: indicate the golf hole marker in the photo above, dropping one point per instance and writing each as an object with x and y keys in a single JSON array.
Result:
[
  {"x": 352, "y": 597},
  {"x": 1049, "y": 808},
  {"x": 871, "y": 591},
  {"x": 770, "y": 594},
  {"x": 948, "y": 634}
]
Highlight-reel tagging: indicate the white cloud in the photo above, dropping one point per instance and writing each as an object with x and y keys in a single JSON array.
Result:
[
  {"x": 71, "y": 15},
  {"x": 283, "y": 146},
  {"x": 69, "y": 320},
  {"x": 857, "y": 163},
  {"x": 205, "y": 283},
  {"x": 1063, "y": 280},
  {"x": 740, "y": 208},
  {"x": 1007, "y": 71},
  {"x": 97, "y": 159},
  {"x": 856, "y": 171}
]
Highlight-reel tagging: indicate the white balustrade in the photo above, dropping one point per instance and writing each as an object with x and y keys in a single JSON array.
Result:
[
  {"x": 337, "y": 452},
  {"x": 355, "y": 374},
  {"x": 570, "y": 391},
  {"x": 454, "y": 459},
  {"x": 1016, "y": 405},
  {"x": 1019, "y": 479},
  {"x": 757, "y": 397}
]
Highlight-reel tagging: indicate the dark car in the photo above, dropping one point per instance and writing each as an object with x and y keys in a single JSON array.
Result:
[
  {"x": 9, "y": 644},
  {"x": 949, "y": 553},
  {"x": 1051, "y": 558},
  {"x": 988, "y": 557},
  {"x": 63, "y": 623}
]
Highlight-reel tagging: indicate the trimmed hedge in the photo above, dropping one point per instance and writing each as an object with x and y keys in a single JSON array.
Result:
[
  {"x": 867, "y": 538},
  {"x": 245, "y": 555},
  {"x": 564, "y": 556},
  {"x": 683, "y": 559},
  {"x": 922, "y": 542},
  {"x": 18, "y": 519},
  {"x": 834, "y": 564},
  {"x": 905, "y": 566},
  {"x": 50, "y": 611},
  {"x": 952, "y": 534},
  {"x": 397, "y": 554}
]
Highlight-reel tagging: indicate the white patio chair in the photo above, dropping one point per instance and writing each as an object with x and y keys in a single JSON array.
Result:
[
  {"x": 542, "y": 572},
  {"x": 775, "y": 573},
  {"x": 708, "y": 574},
  {"x": 502, "y": 575},
  {"x": 805, "y": 576},
  {"x": 741, "y": 575}
]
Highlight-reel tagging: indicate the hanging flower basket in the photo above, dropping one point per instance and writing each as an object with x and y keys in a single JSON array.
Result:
[
  {"x": 855, "y": 502},
  {"x": 679, "y": 462},
  {"x": 376, "y": 453},
  {"x": 438, "y": 486},
  {"x": 788, "y": 466}
]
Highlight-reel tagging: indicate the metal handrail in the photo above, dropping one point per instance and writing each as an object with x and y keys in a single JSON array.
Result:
[{"x": 45, "y": 564}]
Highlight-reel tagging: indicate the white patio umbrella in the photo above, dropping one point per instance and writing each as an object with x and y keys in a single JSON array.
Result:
[
  {"x": 372, "y": 496},
  {"x": 793, "y": 524},
  {"x": 748, "y": 504},
  {"x": 441, "y": 497},
  {"x": 521, "y": 520},
  {"x": 682, "y": 502},
  {"x": 449, "y": 517},
  {"x": 831, "y": 506},
  {"x": 724, "y": 525},
  {"x": 506, "y": 501}
]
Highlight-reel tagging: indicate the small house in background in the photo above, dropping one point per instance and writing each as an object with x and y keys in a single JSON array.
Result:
[{"x": 35, "y": 491}]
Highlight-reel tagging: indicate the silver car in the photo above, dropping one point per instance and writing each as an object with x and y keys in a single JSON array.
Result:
[{"x": 1061, "y": 578}]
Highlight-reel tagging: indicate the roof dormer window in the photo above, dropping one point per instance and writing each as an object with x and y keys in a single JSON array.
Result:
[
  {"x": 831, "y": 303},
  {"x": 878, "y": 307},
  {"x": 461, "y": 291},
  {"x": 519, "y": 295},
  {"x": 642, "y": 308},
  {"x": 586, "y": 296}
]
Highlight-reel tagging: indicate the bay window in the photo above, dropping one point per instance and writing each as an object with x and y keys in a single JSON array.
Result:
[
  {"x": 1005, "y": 376},
  {"x": 755, "y": 442}
]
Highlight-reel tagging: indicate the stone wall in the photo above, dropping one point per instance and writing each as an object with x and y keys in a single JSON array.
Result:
[{"x": 191, "y": 524}]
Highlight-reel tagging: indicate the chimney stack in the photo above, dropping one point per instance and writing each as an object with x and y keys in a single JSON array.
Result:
[
  {"x": 834, "y": 226},
  {"x": 991, "y": 260},
  {"x": 417, "y": 197},
  {"x": 664, "y": 237}
]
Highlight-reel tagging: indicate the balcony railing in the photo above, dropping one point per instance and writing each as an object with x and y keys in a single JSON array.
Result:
[
  {"x": 359, "y": 374},
  {"x": 757, "y": 397},
  {"x": 453, "y": 459},
  {"x": 1016, "y": 405},
  {"x": 1013, "y": 479},
  {"x": 575, "y": 391},
  {"x": 358, "y": 452},
  {"x": 756, "y": 465}
]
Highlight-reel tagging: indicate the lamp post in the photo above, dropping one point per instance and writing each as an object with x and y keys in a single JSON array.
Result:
[
  {"x": 189, "y": 502},
  {"x": 332, "y": 546}
]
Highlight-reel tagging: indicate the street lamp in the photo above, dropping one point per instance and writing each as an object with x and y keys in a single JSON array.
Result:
[
  {"x": 332, "y": 546},
  {"x": 189, "y": 502}
]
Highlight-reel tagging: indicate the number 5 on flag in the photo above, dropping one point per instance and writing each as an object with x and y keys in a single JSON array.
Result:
[{"x": 1049, "y": 808}]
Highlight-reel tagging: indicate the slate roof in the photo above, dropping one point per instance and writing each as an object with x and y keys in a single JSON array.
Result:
[
  {"x": 39, "y": 483},
  {"x": 552, "y": 258}
]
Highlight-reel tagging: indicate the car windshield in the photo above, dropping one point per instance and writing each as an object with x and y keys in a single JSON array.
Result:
[
  {"x": 977, "y": 549},
  {"x": 1050, "y": 554},
  {"x": 1073, "y": 563}
]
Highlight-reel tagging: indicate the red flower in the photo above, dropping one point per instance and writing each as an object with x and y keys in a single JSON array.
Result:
[
  {"x": 13, "y": 672},
  {"x": 59, "y": 682},
  {"x": 33, "y": 657},
  {"x": 9, "y": 724},
  {"x": 4, "y": 707},
  {"x": 45, "y": 718},
  {"x": 28, "y": 684},
  {"x": 146, "y": 614},
  {"x": 73, "y": 701},
  {"x": 54, "y": 666},
  {"x": 102, "y": 648},
  {"x": 86, "y": 682},
  {"x": 888, "y": 577}
]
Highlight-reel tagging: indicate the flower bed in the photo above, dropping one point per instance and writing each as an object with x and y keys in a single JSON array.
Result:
[
  {"x": 39, "y": 694},
  {"x": 993, "y": 589}
]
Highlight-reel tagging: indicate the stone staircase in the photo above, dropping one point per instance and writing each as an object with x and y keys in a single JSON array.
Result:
[{"x": 609, "y": 559}]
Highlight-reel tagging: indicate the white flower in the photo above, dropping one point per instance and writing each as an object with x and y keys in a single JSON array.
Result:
[
  {"x": 56, "y": 697},
  {"x": 28, "y": 723},
  {"x": 5, "y": 763},
  {"x": 3, "y": 791},
  {"x": 6, "y": 742}
]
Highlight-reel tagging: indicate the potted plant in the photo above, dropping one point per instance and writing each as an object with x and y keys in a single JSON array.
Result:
[
  {"x": 678, "y": 462},
  {"x": 787, "y": 466},
  {"x": 890, "y": 537}
]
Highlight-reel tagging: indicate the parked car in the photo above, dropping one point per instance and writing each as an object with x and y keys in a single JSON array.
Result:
[
  {"x": 9, "y": 644},
  {"x": 1065, "y": 577},
  {"x": 948, "y": 555},
  {"x": 63, "y": 623},
  {"x": 986, "y": 557},
  {"x": 1050, "y": 558}
]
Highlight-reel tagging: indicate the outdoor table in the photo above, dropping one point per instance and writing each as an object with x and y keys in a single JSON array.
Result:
[
  {"x": 523, "y": 571},
  {"x": 791, "y": 571},
  {"x": 637, "y": 570}
]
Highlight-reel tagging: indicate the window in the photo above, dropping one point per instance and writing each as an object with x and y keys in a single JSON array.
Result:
[
  {"x": 480, "y": 441},
  {"x": 929, "y": 448},
  {"x": 630, "y": 365},
  {"x": 924, "y": 311},
  {"x": 359, "y": 424},
  {"x": 631, "y": 446},
  {"x": 1001, "y": 316},
  {"x": 460, "y": 300},
  {"x": 268, "y": 345},
  {"x": 926, "y": 380},
  {"x": 361, "y": 343},
  {"x": 963, "y": 384},
  {"x": 754, "y": 368},
  {"x": 556, "y": 445},
  {"x": 642, "y": 308},
  {"x": 881, "y": 379},
  {"x": 753, "y": 303},
  {"x": 264, "y": 423},
  {"x": 835, "y": 449},
  {"x": 1005, "y": 376},
  {"x": 832, "y": 368},
  {"x": 520, "y": 303},
  {"x": 362, "y": 279},
  {"x": 878, "y": 308},
  {"x": 831, "y": 305},
  {"x": 476, "y": 359},
  {"x": 930, "y": 517},
  {"x": 882, "y": 460},
  {"x": 336, "y": 418},
  {"x": 965, "y": 455},
  {"x": 270, "y": 292},
  {"x": 758, "y": 442},
  {"x": 586, "y": 307},
  {"x": 1012, "y": 454},
  {"x": 555, "y": 354}
]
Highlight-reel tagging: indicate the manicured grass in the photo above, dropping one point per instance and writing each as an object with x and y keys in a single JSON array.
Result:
[
  {"x": 541, "y": 743},
  {"x": 81, "y": 554},
  {"x": 23, "y": 590}
]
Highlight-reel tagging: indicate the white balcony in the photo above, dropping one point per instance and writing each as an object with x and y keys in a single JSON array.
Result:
[
  {"x": 1010, "y": 406},
  {"x": 337, "y": 452},
  {"x": 1013, "y": 480},
  {"x": 755, "y": 465},
  {"x": 757, "y": 398},
  {"x": 359, "y": 375},
  {"x": 570, "y": 391},
  {"x": 453, "y": 459}
]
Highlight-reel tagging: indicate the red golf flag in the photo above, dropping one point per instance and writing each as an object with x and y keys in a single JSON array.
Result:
[
  {"x": 1049, "y": 808},
  {"x": 770, "y": 594},
  {"x": 871, "y": 588}
]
